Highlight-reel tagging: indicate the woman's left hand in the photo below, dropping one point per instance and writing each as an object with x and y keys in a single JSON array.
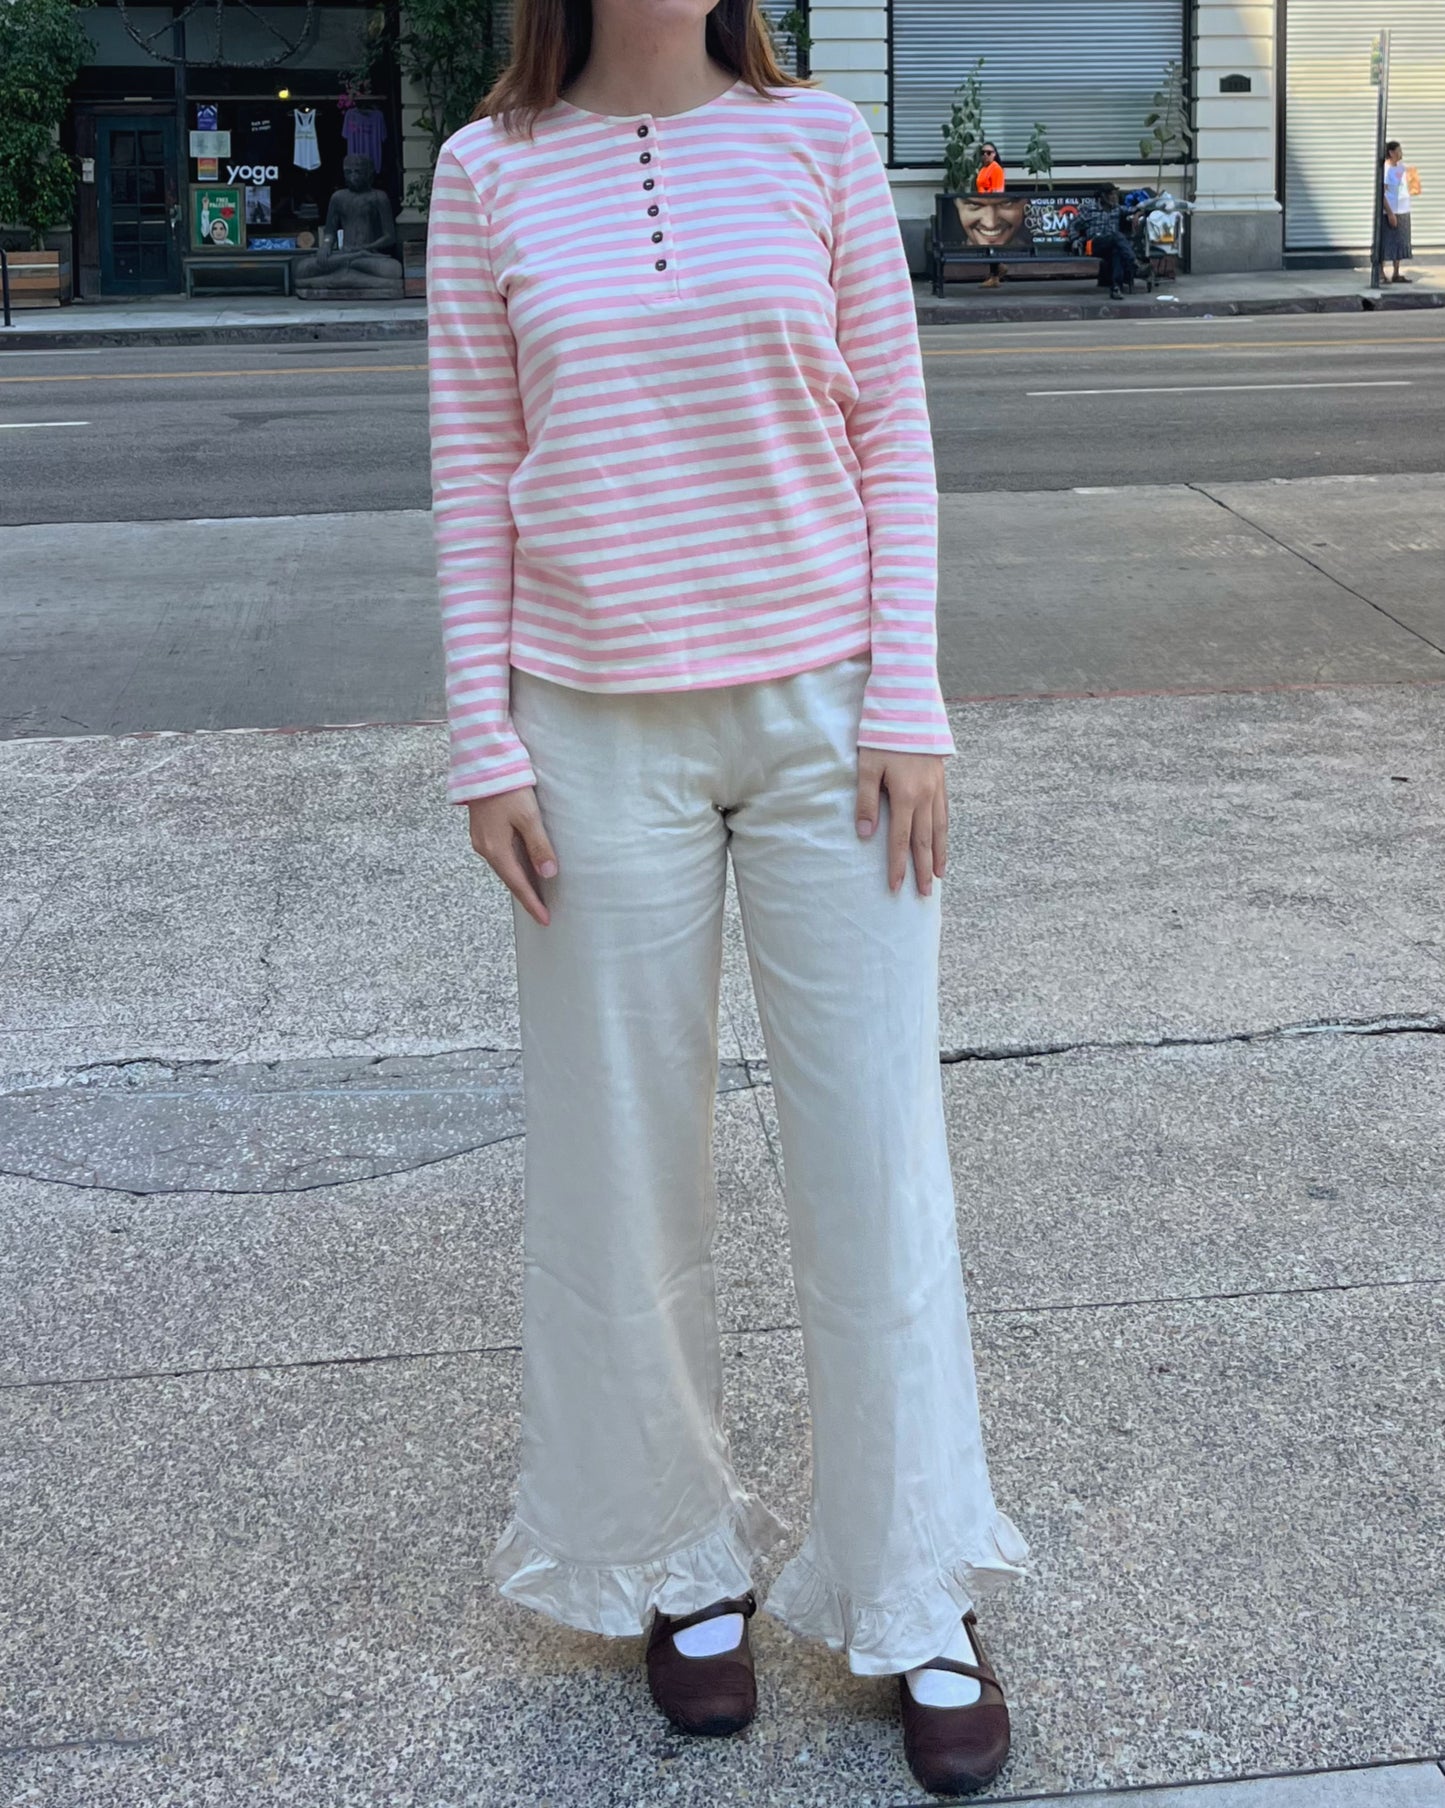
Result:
[{"x": 917, "y": 812}]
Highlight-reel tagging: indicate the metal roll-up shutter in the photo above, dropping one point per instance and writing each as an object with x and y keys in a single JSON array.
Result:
[
  {"x": 1330, "y": 178},
  {"x": 1088, "y": 72},
  {"x": 784, "y": 47}
]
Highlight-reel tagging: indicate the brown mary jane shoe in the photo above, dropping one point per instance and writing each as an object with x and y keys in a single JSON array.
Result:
[
  {"x": 708, "y": 1695},
  {"x": 954, "y": 1751}
]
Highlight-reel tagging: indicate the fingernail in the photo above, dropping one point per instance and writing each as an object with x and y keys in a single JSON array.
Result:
[
  {"x": 865, "y": 828},
  {"x": 548, "y": 869}
]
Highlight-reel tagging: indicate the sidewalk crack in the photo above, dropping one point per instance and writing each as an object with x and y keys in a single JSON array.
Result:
[
  {"x": 1314, "y": 565},
  {"x": 1370, "y": 1026},
  {"x": 377, "y": 1358},
  {"x": 1198, "y": 1299},
  {"x": 280, "y": 1365}
]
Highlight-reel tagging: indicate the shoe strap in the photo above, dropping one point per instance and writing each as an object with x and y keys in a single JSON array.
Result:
[
  {"x": 957, "y": 1668},
  {"x": 982, "y": 1671},
  {"x": 746, "y": 1605}
]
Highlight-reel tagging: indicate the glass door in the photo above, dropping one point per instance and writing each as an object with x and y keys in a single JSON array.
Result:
[{"x": 135, "y": 173}]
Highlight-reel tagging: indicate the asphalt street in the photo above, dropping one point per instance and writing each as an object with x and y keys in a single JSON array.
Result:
[
  {"x": 207, "y": 432},
  {"x": 239, "y": 536}
]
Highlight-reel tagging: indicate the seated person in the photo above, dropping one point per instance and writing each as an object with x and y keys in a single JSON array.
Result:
[{"x": 1101, "y": 224}]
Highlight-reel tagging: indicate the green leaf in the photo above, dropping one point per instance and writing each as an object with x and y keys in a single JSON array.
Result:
[{"x": 42, "y": 49}]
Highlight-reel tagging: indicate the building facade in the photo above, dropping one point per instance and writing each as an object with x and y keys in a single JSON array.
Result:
[
  {"x": 209, "y": 131},
  {"x": 213, "y": 137},
  {"x": 1281, "y": 95}
]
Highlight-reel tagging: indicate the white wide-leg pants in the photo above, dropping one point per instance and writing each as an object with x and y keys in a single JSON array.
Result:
[{"x": 627, "y": 1498}]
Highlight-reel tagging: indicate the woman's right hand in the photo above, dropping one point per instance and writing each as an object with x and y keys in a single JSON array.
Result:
[{"x": 507, "y": 832}]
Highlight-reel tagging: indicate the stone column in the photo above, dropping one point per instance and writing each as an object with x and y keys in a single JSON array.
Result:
[
  {"x": 1237, "y": 223},
  {"x": 850, "y": 57}
]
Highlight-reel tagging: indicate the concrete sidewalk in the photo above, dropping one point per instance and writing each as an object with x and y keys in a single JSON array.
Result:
[
  {"x": 260, "y": 1212},
  {"x": 260, "y": 1220},
  {"x": 1196, "y": 297},
  {"x": 201, "y": 624},
  {"x": 273, "y": 319},
  {"x": 173, "y": 320}
]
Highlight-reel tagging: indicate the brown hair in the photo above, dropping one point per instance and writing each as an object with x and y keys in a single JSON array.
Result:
[{"x": 552, "y": 39}]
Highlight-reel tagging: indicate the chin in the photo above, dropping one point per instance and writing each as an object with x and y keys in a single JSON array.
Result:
[{"x": 662, "y": 11}]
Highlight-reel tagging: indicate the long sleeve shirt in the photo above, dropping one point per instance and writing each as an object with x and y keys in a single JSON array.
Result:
[
  {"x": 678, "y": 424},
  {"x": 1101, "y": 224}
]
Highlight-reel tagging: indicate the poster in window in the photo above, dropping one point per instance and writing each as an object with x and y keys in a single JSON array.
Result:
[
  {"x": 217, "y": 218},
  {"x": 258, "y": 206}
]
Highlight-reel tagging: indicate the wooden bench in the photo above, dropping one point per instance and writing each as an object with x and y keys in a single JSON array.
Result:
[
  {"x": 226, "y": 275},
  {"x": 38, "y": 279},
  {"x": 1050, "y": 259},
  {"x": 1019, "y": 265}
]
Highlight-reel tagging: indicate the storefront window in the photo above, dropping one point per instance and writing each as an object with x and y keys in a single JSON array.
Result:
[{"x": 266, "y": 168}]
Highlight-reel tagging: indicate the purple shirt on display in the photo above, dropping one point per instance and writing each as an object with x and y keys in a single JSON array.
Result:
[{"x": 364, "y": 130}]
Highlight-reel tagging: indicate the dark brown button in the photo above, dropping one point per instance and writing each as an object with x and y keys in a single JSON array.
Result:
[
  {"x": 646, "y": 157},
  {"x": 657, "y": 238},
  {"x": 642, "y": 131},
  {"x": 662, "y": 263},
  {"x": 653, "y": 208},
  {"x": 648, "y": 183}
]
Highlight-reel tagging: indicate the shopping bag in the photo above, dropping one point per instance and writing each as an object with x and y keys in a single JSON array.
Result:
[{"x": 1412, "y": 179}]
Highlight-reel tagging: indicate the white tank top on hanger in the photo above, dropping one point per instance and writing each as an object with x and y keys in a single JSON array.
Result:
[{"x": 307, "y": 155}]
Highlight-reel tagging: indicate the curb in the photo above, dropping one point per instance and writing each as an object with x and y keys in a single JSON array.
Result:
[
  {"x": 931, "y": 312},
  {"x": 311, "y": 332},
  {"x": 962, "y": 313}
]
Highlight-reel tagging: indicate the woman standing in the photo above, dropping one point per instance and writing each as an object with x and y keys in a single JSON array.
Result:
[
  {"x": 990, "y": 181},
  {"x": 1395, "y": 229},
  {"x": 686, "y": 518}
]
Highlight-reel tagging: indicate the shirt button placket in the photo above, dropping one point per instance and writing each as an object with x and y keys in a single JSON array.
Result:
[{"x": 649, "y": 182}]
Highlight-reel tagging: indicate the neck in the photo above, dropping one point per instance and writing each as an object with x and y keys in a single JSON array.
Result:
[{"x": 648, "y": 66}]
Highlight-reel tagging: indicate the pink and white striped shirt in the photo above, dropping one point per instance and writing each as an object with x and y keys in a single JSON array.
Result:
[{"x": 678, "y": 424}]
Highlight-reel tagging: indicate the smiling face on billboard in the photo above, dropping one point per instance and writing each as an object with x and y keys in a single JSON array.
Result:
[{"x": 990, "y": 221}]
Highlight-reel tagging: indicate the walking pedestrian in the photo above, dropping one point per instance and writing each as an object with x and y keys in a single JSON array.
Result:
[
  {"x": 990, "y": 180},
  {"x": 1395, "y": 227},
  {"x": 686, "y": 519}
]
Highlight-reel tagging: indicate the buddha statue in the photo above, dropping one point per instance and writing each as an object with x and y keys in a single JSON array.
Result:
[{"x": 357, "y": 242}]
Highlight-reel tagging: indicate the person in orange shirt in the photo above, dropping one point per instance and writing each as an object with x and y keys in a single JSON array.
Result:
[{"x": 990, "y": 181}]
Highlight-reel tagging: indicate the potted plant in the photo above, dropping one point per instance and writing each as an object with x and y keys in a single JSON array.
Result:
[
  {"x": 42, "y": 48},
  {"x": 1039, "y": 156},
  {"x": 1167, "y": 126},
  {"x": 963, "y": 136}
]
